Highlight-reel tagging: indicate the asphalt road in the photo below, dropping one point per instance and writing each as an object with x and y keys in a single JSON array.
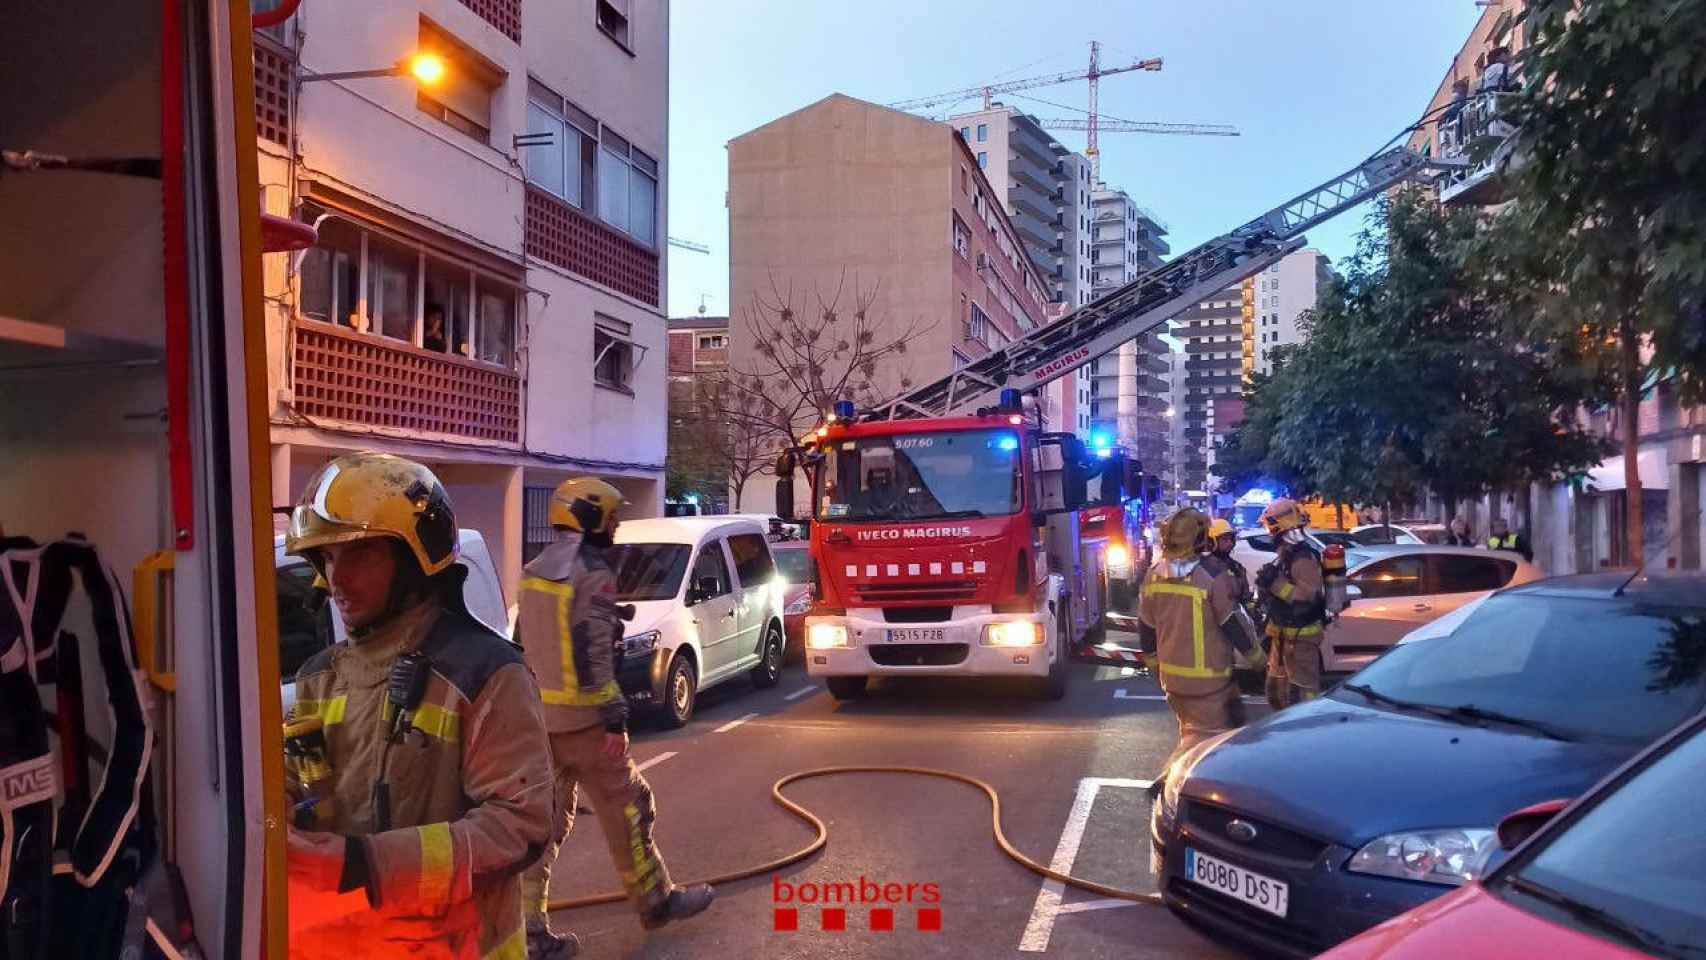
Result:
[{"x": 1092, "y": 750}]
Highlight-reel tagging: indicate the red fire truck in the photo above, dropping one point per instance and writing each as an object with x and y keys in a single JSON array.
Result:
[{"x": 947, "y": 534}]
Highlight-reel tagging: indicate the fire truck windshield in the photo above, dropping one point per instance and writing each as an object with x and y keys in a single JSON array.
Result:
[{"x": 922, "y": 476}]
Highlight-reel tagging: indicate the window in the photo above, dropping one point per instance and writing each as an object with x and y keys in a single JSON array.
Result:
[
  {"x": 331, "y": 273},
  {"x": 982, "y": 132},
  {"x": 564, "y": 166},
  {"x": 753, "y": 564},
  {"x": 1394, "y": 577},
  {"x": 982, "y": 160},
  {"x": 627, "y": 188},
  {"x": 613, "y": 20},
  {"x": 710, "y": 572},
  {"x": 1460, "y": 574},
  {"x": 648, "y": 571},
  {"x": 463, "y": 97},
  {"x": 965, "y": 134},
  {"x": 444, "y": 316},
  {"x": 496, "y": 329},
  {"x": 962, "y": 237},
  {"x": 713, "y": 341},
  {"x": 613, "y": 361},
  {"x": 391, "y": 273}
]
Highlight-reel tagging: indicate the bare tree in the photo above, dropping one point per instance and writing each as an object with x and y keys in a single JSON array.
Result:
[
  {"x": 810, "y": 352},
  {"x": 707, "y": 451}
]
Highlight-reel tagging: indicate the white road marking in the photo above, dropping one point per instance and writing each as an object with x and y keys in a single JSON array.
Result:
[
  {"x": 1048, "y": 905},
  {"x": 1084, "y": 905},
  {"x": 1122, "y": 695},
  {"x": 725, "y": 728},
  {"x": 797, "y": 694},
  {"x": 647, "y": 765}
]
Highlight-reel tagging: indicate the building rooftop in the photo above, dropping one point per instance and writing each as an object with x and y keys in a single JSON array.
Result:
[{"x": 697, "y": 322}]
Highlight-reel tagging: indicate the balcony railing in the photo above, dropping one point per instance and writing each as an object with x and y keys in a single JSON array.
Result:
[
  {"x": 559, "y": 234},
  {"x": 352, "y": 378},
  {"x": 1477, "y": 141}
]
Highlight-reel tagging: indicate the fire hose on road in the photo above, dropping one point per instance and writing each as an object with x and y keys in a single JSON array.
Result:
[{"x": 822, "y": 838}]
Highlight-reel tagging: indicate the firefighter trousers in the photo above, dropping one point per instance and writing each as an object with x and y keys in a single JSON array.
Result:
[
  {"x": 626, "y": 811},
  {"x": 1294, "y": 664},
  {"x": 1201, "y": 717}
]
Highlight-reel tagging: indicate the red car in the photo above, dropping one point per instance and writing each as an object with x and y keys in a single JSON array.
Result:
[
  {"x": 1616, "y": 875},
  {"x": 794, "y": 559}
]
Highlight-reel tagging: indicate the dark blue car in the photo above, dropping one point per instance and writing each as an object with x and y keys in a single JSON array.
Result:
[{"x": 1325, "y": 819}]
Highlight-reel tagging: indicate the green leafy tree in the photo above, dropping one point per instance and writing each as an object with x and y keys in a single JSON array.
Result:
[{"x": 1607, "y": 240}]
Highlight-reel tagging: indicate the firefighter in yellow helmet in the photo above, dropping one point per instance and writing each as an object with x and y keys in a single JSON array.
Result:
[
  {"x": 439, "y": 787},
  {"x": 569, "y": 626},
  {"x": 1191, "y": 617},
  {"x": 1292, "y": 589}
]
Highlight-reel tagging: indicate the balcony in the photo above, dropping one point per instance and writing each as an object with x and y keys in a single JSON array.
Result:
[
  {"x": 1030, "y": 173},
  {"x": 1477, "y": 146},
  {"x": 343, "y": 377},
  {"x": 561, "y": 235}
]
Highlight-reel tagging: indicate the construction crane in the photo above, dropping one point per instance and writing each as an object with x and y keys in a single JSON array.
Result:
[
  {"x": 688, "y": 245},
  {"x": 1093, "y": 124}
]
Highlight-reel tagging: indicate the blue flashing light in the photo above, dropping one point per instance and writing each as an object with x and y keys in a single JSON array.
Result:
[
  {"x": 843, "y": 409},
  {"x": 1007, "y": 442},
  {"x": 1258, "y": 495},
  {"x": 1010, "y": 399},
  {"x": 1100, "y": 439},
  {"x": 1104, "y": 451}
]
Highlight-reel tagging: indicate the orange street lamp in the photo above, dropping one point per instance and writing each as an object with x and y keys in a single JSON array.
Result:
[{"x": 428, "y": 68}]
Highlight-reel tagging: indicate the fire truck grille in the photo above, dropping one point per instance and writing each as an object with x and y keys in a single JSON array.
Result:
[
  {"x": 919, "y": 654},
  {"x": 935, "y": 591},
  {"x": 918, "y": 614}
]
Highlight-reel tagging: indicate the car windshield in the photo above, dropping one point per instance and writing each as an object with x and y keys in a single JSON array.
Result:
[
  {"x": 1585, "y": 668},
  {"x": 922, "y": 476},
  {"x": 648, "y": 571},
  {"x": 796, "y": 565},
  {"x": 1629, "y": 868}
]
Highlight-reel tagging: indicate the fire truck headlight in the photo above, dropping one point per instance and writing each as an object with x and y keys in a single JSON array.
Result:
[
  {"x": 1015, "y": 633},
  {"x": 826, "y": 636},
  {"x": 1119, "y": 559}
]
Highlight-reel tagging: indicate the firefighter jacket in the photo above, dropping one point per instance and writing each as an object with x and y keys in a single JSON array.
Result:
[
  {"x": 1295, "y": 596},
  {"x": 470, "y": 788},
  {"x": 569, "y": 628},
  {"x": 1187, "y": 615}
]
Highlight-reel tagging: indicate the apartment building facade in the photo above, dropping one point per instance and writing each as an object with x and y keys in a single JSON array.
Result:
[
  {"x": 1213, "y": 335},
  {"x": 1129, "y": 389},
  {"x": 1278, "y": 297},
  {"x": 851, "y": 196},
  {"x": 485, "y": 293},
  {"x": 1047, "y": 194},
  {"x": 1578, "y": 525}
]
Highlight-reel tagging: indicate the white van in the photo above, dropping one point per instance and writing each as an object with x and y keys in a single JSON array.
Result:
[
  {"x": 707, "y": 608},
  {"x": 307, "y": 623}
]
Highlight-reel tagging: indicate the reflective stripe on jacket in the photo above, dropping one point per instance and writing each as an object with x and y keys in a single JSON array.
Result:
[
  {"x": 1186, "y": 614},
  {"x": 470, "y": 790},
  {"x": 568, "y": 629}
]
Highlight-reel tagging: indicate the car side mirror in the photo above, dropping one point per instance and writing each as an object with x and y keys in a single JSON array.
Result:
[
  {"x": 625, "y": 611},
  {"x": 1524, "y": 823},
  {"x": 708, "y": 587},
  {"x": 1353, "y": 592}
]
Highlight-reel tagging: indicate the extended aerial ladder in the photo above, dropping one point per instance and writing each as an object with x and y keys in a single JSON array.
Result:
[{"x": 1099, "y": 327}]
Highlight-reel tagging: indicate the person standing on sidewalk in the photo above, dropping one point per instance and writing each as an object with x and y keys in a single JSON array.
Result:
[{"x": 569, "y": 628}]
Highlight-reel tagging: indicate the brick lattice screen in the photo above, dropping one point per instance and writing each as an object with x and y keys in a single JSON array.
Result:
[
  {"x": 350, "y": 377},
  {"x": 558, "y": 233},
  {"x": 503, "y": 14},
  {"x": 272, "y": 91}
]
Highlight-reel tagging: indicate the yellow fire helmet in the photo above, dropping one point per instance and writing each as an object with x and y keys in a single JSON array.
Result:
[
  {"x": 1282, "y": 515},
  {"x": 1219, "y": 528},
  {"x": 1184, "y": 535},
  {"x": 586, "y": 504},
  {"x": 376, "y": 495}
]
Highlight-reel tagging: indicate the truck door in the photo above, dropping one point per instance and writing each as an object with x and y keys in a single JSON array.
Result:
[{"x": 755, "y": 572}]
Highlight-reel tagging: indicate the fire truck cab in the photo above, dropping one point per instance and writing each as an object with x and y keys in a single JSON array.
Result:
[{"x": 947, "y": 546}]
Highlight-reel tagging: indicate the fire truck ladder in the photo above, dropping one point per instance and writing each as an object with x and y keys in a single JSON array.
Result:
[{"x": 1140, "y": 306}]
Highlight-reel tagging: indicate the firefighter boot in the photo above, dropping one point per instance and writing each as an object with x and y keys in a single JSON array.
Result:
[
  {"x": 683, "y": 902},
  {"x": 542, "y": 944}
]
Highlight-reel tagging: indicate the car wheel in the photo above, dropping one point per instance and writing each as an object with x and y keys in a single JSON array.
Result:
[
  {"x": 847, "y": 688},
  {"x": 768, "y": 673},
  {"x": 680, "y": 692},
  {"x": 1053, "y": 686}
]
